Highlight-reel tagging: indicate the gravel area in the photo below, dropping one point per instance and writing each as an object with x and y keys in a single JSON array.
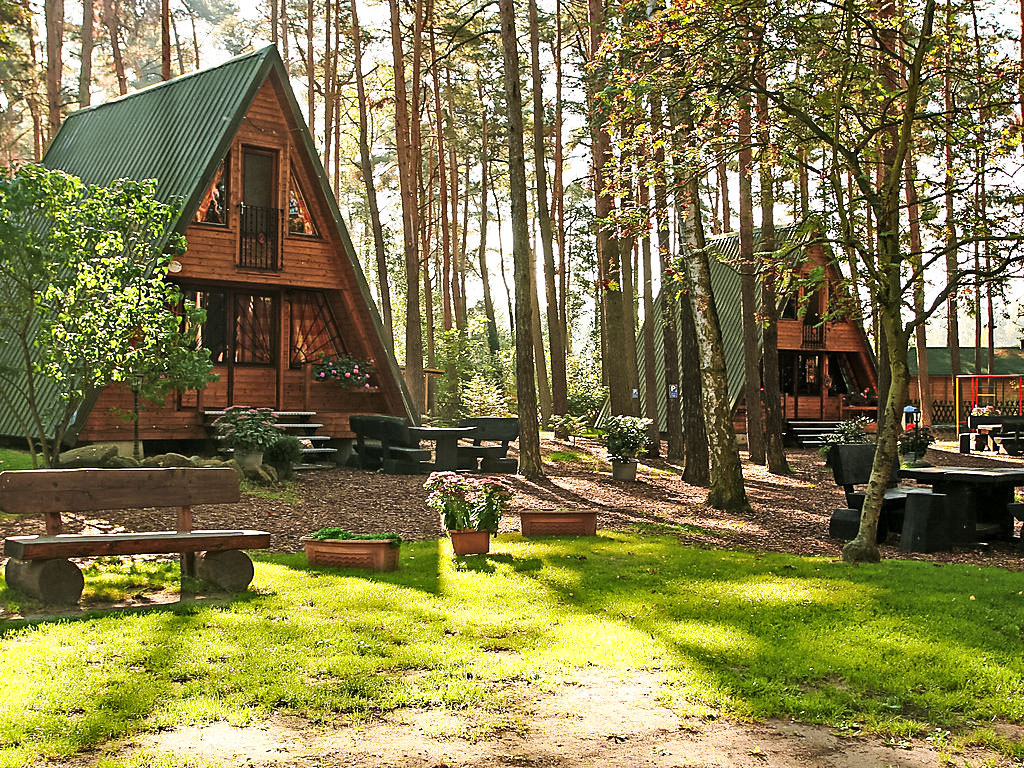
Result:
[{"x": 787, "y": 514}]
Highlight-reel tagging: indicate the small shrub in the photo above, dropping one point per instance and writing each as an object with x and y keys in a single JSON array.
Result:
[
  {"x": 849, "y": 431},
  {"x": 625, "y": 436},
  {"x": 467, "y": 503},
  {"x": 248, "y": 429},
  {"x": 340, "y": 534},
  {"x": 286, "y": 451}
]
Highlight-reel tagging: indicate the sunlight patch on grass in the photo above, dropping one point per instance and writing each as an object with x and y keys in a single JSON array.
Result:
[
  {"x": 572, "y": 457},
  {"x": 11, "y": 459},
  {"x": 894, "y": 646},
  {"x": 286, "y": 492}
]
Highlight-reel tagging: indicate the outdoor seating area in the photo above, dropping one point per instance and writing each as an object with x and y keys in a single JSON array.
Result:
[
  {"x": 392, "y": 444},
  {"x": 851, "y": 467}
]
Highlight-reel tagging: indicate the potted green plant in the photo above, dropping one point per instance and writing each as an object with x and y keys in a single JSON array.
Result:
[
  {"x": 249, "y": 432},
  {"x": 849, "y": 431},
  {"x": 914, "y": 443},
  {"x": 338, "y": 547},
  {"x": 470, "y": 508},
  {"x": 625, "y": 437},
  {"x": 283, "y": 455}
]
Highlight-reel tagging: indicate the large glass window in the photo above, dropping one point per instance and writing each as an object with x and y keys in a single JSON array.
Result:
[
  {"x": 214, "y": 207},
  {"x": 313, "y": 330},
  {"x": 238, "y": 326}
]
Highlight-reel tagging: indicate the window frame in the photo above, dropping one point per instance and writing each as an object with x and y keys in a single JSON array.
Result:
[{"x": 225, "y": 170}]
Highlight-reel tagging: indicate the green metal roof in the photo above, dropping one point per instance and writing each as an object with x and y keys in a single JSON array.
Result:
[
  {"x": 1007, "y": 360},
  {"x": 725, "y": 287},
  {"x": 178, "y": 132}
]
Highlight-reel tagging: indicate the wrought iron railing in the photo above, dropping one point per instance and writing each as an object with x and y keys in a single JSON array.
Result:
[
  {"x": 259, "y": 239},
  {"x": 813, "y": 335}
]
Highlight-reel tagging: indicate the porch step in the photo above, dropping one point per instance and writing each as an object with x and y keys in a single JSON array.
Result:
[
  {"x": 810, "y": 434},
  {"x": 302, "y": 424}
]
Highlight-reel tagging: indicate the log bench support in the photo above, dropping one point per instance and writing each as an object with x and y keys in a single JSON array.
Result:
[{"x": 39, "y": 565}]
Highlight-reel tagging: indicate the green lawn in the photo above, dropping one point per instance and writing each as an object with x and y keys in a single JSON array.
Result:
[
  {"x": 903, "y": 647},
  {"x": 14, "y": 459}
]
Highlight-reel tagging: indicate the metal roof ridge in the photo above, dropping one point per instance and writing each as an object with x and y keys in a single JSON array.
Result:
[{"x": 149, "y": 89}]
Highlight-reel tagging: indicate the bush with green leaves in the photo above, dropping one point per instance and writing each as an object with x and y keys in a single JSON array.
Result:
[
  {"x": 284, "y": 451},
  {"x": 340, "y": 534},
  {"x": 468, "y": 503},
  {"x": 625, "y": 436},
  {"x": 849, "y": 431},
  {"x": 248, "y": 429}
]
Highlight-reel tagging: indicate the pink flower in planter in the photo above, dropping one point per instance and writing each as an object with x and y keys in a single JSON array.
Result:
[
  {"x": 367, "y": 386},
  {"x": 348, "y": 375}
]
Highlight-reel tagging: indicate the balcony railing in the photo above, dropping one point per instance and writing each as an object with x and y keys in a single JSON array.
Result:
[
  {"x": 813, "y": 336},
  {"x": 259, "y": 239}
]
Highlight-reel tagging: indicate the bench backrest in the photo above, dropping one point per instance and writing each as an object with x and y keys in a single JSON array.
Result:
[
  {"x": 390, "y": 430},
  {"x": 851, "y": 464},
  {"x": 501, "y": 429},
  {"x": 47, "y": 491}
]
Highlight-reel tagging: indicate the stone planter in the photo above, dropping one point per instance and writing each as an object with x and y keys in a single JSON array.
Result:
[
  {"x": 624, "y": 470},
  {"x": 249, "y": 460},
  {"x": 371, "y": 554},
  {"x": 565, "y": 522},
  {"x": 471, "y": 542}
]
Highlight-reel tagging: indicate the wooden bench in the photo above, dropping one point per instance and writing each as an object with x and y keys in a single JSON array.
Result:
[
  {"x": 491, "y": 458},
  {"x": 384, "y": 442},
  {"x": 38, "y": 565}
]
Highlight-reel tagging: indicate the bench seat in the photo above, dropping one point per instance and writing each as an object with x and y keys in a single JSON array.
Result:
[{"x": 145, "y": 543}]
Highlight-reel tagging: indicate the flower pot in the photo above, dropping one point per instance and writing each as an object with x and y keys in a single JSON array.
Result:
[
  {"x": 624, "y": 470},
  {"x": 471, "y": 542},
  {"x": 246, "y": 459},
  {"x": 371, "y": 554},
  {"x": 563, "y": 522}
]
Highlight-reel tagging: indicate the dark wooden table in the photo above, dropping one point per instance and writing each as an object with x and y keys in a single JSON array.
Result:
[
  {"x": 446, "y": 443},
  {"x": 976, "y": 497}
]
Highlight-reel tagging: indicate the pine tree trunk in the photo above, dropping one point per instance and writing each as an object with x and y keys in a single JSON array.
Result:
[
  {"x": 529, "y": 436},
  {"x": 540, "y": 362},
  {"x": 110, "y": 18},
  {"x": 669, "y": 298},
  {"x": 748, "y": 289},
  {"x": 650, "y": 372},
  {"x": 54, "y": 12},
  {"x": 366, "y": 166},
  {"x": 492, "y": 323},
  {"x": 924, "y": 389},
  {"x": 952, "y": 269},
  {"x": 445, "y": 278},
  {"x": 165, "y": 39},
  {"x": 559, "y": 396},
  {"x": 85, "y": 74},
  {"x": 410, "y": 221}
]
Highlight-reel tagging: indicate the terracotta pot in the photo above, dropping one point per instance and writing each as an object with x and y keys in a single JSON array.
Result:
[
  {"x": 558, "y": 523},
  {"x": 371, "y": 554},
  {"x": 249, "y": 459},
  {"x": 470, "y": 542},
  {"x": 624, "y": 470}
]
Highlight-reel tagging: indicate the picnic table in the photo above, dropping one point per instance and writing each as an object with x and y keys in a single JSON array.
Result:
[
  {"x": 978, "y": 499},
  {"x": 446, "y": 443}
]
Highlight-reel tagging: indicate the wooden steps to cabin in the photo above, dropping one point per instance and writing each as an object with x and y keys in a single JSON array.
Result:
[
  {"x": 316, "y": 453},
  {"x": 810, "y": 434}
]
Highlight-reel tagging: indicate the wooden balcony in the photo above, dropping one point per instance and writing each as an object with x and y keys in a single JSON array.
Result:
[{"x": 259, "y": 238}]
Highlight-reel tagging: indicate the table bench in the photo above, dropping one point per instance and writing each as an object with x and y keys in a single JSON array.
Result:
[
  {"x": 491, "y": 458},
  {"x": 385, "y": 442},
  {"x": 851, "y": 465},
  {"x": 38, "y": 565}
]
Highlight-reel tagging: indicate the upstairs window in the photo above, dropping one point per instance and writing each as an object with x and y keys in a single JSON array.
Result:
[
  {"x": 299, "y": 220},
  {"x": 214, "y": 207}
]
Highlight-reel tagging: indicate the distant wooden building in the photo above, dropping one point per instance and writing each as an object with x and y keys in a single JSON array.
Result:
[
  {"x": 820, "y": 364},
  {"x": 269, "y": 257},
  {"x": 1007, "y": 360}
]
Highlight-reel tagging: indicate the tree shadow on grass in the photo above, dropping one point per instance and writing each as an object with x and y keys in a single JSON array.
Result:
[{"x": 488, "y": 563}]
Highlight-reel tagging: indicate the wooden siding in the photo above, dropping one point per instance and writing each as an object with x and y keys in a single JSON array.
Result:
[{"x": 307, "y": 263}]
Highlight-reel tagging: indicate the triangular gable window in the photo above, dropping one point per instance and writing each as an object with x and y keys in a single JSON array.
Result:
[
  {"x": 299, "y": 220},
  {"x": 314, "y": 333},
  {"x": 214, "y": 207}
]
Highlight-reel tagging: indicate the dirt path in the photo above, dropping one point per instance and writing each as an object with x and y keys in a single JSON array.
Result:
[{"x": 614, "y": 720}]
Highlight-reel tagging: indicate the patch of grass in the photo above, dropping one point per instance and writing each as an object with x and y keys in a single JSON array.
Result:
[
  {"x": 286, "y": 492},
  {"x": 901, "y": 648},
  {"x": 571, "y": 457},
  {"x": 11, "y": 459}
]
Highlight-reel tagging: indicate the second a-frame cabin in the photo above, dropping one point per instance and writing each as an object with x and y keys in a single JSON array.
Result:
[
  {"x": 824, "y": 367},
  {"x": 269, "y": 257}
]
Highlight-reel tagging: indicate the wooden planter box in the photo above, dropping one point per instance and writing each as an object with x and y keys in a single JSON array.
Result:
[
  {"x": 371, "y": 554},
  {"x": 470, "y": 542},
  {"x": 558, "y": 523}
]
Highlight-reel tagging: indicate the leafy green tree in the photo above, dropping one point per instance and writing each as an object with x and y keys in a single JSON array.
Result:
[{"x": 84, "y": 301}]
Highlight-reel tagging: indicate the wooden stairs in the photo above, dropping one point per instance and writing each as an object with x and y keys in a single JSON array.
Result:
[
  {"x": 316, "y": 453},
  {"x": 809, "y": 434}
]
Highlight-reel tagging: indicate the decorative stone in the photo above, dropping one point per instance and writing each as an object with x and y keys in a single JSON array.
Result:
[
  {"x": 98, "y": 455},
  {"x": 124, "y": 462}
]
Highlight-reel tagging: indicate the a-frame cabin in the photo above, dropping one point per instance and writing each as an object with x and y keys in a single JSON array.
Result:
[
  {"x": 268, "y": 257},
  {"x": 820, "y": 364}
]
